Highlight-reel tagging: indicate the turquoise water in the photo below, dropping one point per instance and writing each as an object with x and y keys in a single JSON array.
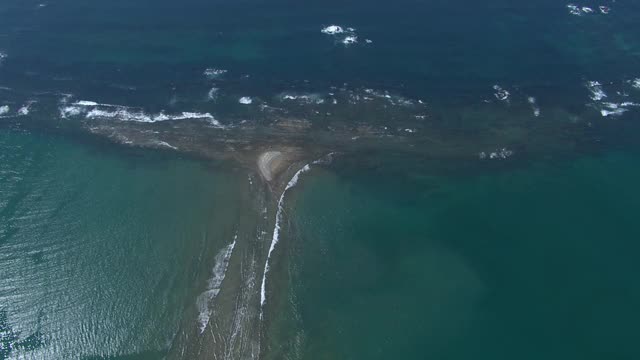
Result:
[
  {"x": 529, "y": 263},
  {"x": 102, "y": 251},
  {"x": 481, "y": 202}
]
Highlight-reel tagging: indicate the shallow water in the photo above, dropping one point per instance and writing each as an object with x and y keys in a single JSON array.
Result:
[{"x": 101, "y": 252}]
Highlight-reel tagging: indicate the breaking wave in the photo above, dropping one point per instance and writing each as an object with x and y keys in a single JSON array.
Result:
[
  {"x": 276, "y": 234},
  {"x": 205, "y": 299},
  {"x": 93, "y": 110}
]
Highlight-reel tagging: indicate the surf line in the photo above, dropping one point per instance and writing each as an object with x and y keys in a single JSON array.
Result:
[
  {"x": 214, "y": 284},
  {"x": 276, "y": 231},
  {"x": 276, "y": 235}
]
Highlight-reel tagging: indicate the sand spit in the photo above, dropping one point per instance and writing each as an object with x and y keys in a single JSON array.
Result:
[
  {"x": 269, "y": 163},
  {"x": 272, "y": 163}
]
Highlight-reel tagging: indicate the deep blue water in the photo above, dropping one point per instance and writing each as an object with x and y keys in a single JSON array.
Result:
[{"x": 437, "y": 50}]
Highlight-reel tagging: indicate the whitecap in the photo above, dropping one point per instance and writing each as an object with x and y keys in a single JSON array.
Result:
[
  {"x": 332, "y": 30},
  {"x": 351, "y": 39},
  {"x": 587, "y": 10},
  {"x": 213, "y": 93},
  {"x": 142, "y": 117},
  {"x": 25, "y": 109},
  {"x": 303, "y": 98},
  {"x": 86, "y": 103},
  {"x": 68, "y": 111},
  {"x": 213, "y": 73},
  {"x": 499, "y": 154},
  {"x": 185, "y": 115},
  {"x": 636, "y": 83},
  {"x": 165, "y": 144},
  {"x": 534, "y": 106},
  {"x": 245, "y": 100},
  {"x": 501, "y": 94},
  {"x": 93, "y": 103},
  {"x": 616, "y": 109},
  {"x": 604, "y": 9},
  {"x": 595, "y": 88},
  {"x": 4, "y": 109},
  {"x": 615, "y": 112},
  {"x": 122, "y": 114},
  {"x": 574, "y": 10}
]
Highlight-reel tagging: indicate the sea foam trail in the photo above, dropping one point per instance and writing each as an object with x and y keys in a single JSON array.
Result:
[
  {"x": 101, "y": 111},
  {"x": 204, "y": 300},
  {"x": 276, "y": 234}
]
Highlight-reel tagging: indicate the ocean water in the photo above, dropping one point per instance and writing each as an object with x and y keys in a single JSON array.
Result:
[
  {"x": 453, "y": 267},
  {"x": 101, "y": 250},
  {"x": 457, "y": 180}
]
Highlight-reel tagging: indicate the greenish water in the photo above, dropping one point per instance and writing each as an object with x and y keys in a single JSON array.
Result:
[
  {"x": 104, "y": 252},
  {"x": 447, "y": 227},
  {"x": 532, "y": 263},
  {"x": 101, "y": 251}
]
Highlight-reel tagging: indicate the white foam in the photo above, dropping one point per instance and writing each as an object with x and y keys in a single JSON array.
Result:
[
  {"x": 94, "y": 110},
  {"x": 574, "y": 10},
  {"x": 245, "y": 100},
  {"x": 122, "y": 114},
  {"x": 368, "y": 41},
  {"x": 205, "y": 299},
  {"x": 604, "y": 9},
  {"x": 276, "y": 234},
  {"x": 636, "y": 83},
  {"x": 595, "y": 88},
  {"x": 615, "y": 112},
  {"x": 86, "y": 103},
  {"x": 534, "y": 105},
  {"x": 24, "y": 110},
  {"x": 213, "y": 73},
  {"x": 587, "y": 10},
  {"x": 501, "y": 94},
  {"x": 616, "y": 109},
  {"x": 65, "y": 98},
  {"x": 332, "y": 30},
  {"x": 68, "y": 111},
  {"x": 499, "y": 154},
  {"x": 4, "y": 109},
  {"x": 304, "y": 98},
  {"x": 351, "y": 39},
  {"x": 93, "y": 103},
  {"x": 213, "y": 93},
  {"x": 185, "y": 115},
  {"x": 166, "y": 144}
]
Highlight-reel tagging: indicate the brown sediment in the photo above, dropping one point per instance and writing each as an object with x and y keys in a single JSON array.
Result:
[{"x": 274, "y": 152}]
